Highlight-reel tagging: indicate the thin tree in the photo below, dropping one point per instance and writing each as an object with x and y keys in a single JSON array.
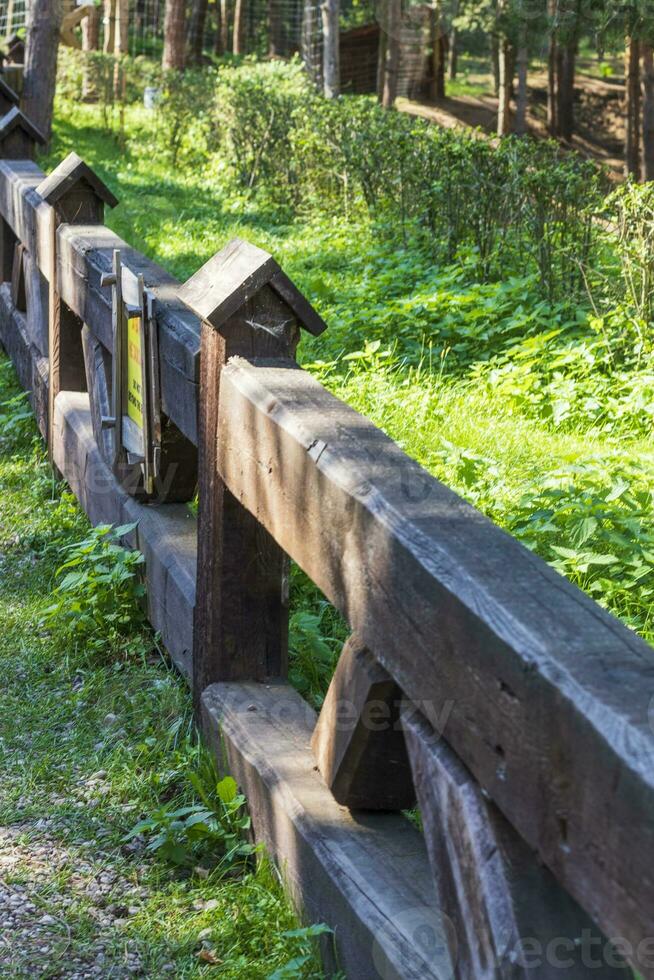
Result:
[
  {"x": 121, "y": 45},
  {"x": 552, "y": 62},
  {"x": 632, "y": 107},
  {"x": 453, "y": 52},
  {"x": 90, "y": 43},
  {"x": 522, "y": 61},
  {"x": 331, "y": 48},
  {"x": 224, "y": 25},
  {"x": 437, "y": 59},
  {"x": 238, "y": 34},
  {"x": 43, "y": 26},
  {"x": 568, "y": 43},
  {"x": 647, "y": 75},
  {"x": 276, "y": 41},
  {"x": 109, "y": 40},
  {"x": 196, "y": 30},
  {"x": 174, "y": 36},
  {"x": 505, "y": 70}
]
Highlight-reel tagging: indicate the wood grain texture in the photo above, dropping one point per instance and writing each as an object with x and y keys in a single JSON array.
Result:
[
  {"x": 241, "y": 616},
  {"x": 365, "y": 875},
  {"x": 166, "y": 534},
  {"x": 31, "y": 367},
  {"x": 62, "y": 187},
  {"x": 511, "y": 918},
  {"x": 234, "y": 276},
  {"x": 549, "y": 694},
  {"x": 18, "y": 295},
  {"x": 358, "y": 741}
]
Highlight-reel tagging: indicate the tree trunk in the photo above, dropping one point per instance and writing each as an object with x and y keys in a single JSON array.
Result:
[
  {"x": 196, "y": 31},
  {"x": 648, "y": 110},
  {"x": 565, "y": 108},
  {"x": 495, "y": 63},
  {"x": 109, "y": 40},
  {"x": 218, "y": 36},
  {"x": 90, "y": 42},
  {"x": 174, "y": 36},
  {"x": 276, "y": 41},
  {"x": 43, "y": 26},
  {"x": 552, "y": 60},
  {"x": 238, "y": 45},
  {"x": 392, "y": 61},
  {"x": 453, "y": 55},
  {"x": 381, "y": 62},
  {"x": 504, "y": 104},
  {"x": 309, "y": 46},
  {"x": 437, "y": 72},
  {"x": 331, "y": 48},
  {"x": 121, "y": 44},
  {"x": 632, "y": 108},
  {"x": 522, "y": 99},
  {"x": 224, "y": 25}
]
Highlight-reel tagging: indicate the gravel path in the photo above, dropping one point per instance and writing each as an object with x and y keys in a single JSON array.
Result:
[{"x": 47, "y": 896}]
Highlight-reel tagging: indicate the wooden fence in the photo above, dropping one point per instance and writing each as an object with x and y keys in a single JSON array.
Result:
[{"x": 476, "y": 681}]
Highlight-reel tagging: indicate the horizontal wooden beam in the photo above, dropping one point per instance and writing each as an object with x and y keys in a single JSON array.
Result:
[
  {"x": 84, "y": 253},
  {"x": 166, "y": 534},
  {"x": 543, "y": 695},
  {"x": 24, "y": 210},
  {"x": 510, "y": 917},
  {"x": 366, "y": 876}
]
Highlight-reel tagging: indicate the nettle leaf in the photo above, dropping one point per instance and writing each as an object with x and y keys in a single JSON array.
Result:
[
  {"x": 227, "y": 790},
  {"x": 583, "y": 530}
]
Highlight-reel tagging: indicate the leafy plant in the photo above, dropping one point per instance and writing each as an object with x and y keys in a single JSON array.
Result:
[
  {"x": 302, "y": 965},
  {"x": 99, "y": 600},
  {"x": 197, "y": 832},
  {"x": 15, "y": 418}
]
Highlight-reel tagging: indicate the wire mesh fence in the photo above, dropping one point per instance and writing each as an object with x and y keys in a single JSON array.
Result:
[
  {"x": 277, "y": 28},
  {"x": 13, "y": 17}
]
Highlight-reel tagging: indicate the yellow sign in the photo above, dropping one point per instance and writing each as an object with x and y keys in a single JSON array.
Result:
[{"x": 134, "y": 372}]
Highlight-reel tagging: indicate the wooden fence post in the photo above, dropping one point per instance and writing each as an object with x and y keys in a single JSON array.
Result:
[
  {"x": 18, "y": 140},
  {"x": 77, "y": 196},
  {"x": 248, "y": 307}
]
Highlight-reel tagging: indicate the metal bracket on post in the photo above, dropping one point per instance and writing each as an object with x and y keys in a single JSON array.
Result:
[{"x": 114, "y": 279}]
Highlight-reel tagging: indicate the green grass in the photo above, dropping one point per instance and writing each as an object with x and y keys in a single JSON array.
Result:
[
  {"x": 92, "y": 739},
  {"x": 518, "y": 405}
]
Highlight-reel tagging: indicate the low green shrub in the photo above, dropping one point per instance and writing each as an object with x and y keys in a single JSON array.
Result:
[{"x": 98, "y": 602}]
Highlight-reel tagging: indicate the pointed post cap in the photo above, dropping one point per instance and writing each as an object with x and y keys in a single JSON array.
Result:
[
  {"x": 235, "y": 275},
  {"x": 18, "y": 136},
  {"x": 68, "y": 176}
]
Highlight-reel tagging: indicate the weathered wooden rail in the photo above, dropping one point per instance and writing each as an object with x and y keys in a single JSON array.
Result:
[{"x": 476, "y": 681}]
